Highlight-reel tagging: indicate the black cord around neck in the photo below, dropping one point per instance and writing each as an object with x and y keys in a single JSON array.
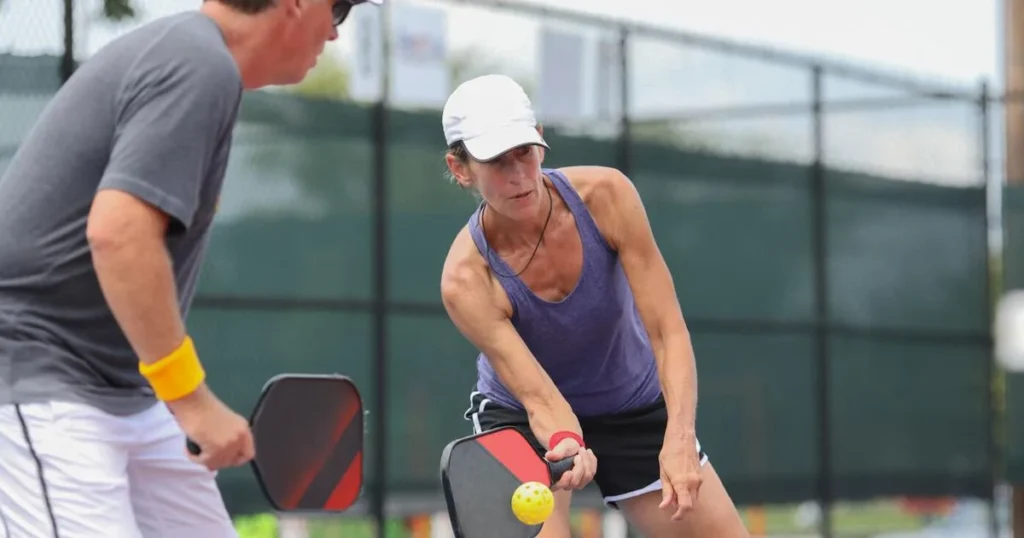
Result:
[{"x": 551, "y": 206}]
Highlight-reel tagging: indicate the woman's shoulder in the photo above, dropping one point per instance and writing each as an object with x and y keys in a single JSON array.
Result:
[
  {"x": 466, "y": 274},
  {"x": 596, "y": 185},
  {"x": 604, "y": 191}
]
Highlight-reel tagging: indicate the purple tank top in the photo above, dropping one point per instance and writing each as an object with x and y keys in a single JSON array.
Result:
[{"x": 593, "y": 343}]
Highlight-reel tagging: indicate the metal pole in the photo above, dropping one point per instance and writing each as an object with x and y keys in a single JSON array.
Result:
[
  {"x": 380, "y": 282},
  {"x": 990, "y": 221},
  {"x": 67, "y": 62},
  {"x": 625, "y": 136},
  {"x": 820, "y": 247}
]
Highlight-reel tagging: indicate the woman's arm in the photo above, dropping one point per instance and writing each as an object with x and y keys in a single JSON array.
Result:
[
  {"x": 617, "y": 206},
  {"x": 472, "y": 302},
  {"x": 469, "y": 299}
]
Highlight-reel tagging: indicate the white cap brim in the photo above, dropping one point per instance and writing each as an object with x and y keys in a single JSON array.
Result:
[{"x": 491, "y": 145}]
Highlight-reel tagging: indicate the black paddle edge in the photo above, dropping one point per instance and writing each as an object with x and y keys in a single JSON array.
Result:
[{"x": 446, "y": 486}]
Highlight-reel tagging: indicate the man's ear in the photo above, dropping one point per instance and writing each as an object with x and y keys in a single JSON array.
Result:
[
  {"x": 540, "y": 129},
  {"x": 292, "y": 8}
]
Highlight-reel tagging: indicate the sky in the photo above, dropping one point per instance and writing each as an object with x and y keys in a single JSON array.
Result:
[
  {"x": 952, "y": 42},
  {"x": 951, "y": 39}
]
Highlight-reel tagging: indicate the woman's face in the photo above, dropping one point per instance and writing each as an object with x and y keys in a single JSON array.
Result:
[{"x": 511, "y": 184}]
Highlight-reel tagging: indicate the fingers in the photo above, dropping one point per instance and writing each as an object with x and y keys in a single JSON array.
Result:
[
  {"x": 683, "y": 501},
  {"x": 245, "y": 453},
  {"x": 248, "y": 451},
  {"x": 680, "y": 495},
  {"x": 583, "y": 471},
  {"x": 567, "y": 448},
  {"x": 241, "y": 450},
  {"x": 584, "y": 467},
  {"x": 562, "y": 450},
  {"x": 683, "y": 497},
  {"x": 233, "y": 452},
  {"x": 668, "y": 496}
]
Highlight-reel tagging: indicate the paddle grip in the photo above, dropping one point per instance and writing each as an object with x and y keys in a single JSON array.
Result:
[
  {"x": 193, "y": 448},
  {"x": 559, "y": 468}
]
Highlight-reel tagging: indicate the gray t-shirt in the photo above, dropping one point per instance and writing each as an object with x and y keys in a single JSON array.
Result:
[{"x": 151, "y": 114}]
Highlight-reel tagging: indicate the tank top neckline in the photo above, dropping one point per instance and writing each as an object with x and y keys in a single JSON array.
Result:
[{"x": 573, "y": 203}]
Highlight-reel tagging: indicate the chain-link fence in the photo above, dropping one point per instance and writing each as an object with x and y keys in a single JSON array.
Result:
[{"x": 829, "y": 228}]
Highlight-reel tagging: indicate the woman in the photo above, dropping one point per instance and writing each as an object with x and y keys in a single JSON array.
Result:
[{"x": 557, "y": 280}]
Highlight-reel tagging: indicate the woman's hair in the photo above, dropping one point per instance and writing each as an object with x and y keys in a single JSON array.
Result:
[{"x": 457, "y": 150}]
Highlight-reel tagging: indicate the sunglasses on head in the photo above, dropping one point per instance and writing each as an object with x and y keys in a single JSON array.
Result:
[{"x": 341, "y": 9}]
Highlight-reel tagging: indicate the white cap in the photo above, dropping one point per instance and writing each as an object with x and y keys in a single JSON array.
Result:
[{"x": 490, "y": 114}]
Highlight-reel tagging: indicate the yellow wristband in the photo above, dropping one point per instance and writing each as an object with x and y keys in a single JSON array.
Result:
[{"x": 177, "y": 375}]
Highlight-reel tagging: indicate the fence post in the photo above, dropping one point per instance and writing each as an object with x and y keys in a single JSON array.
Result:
[
  {"x": 67, "y": 61},
  {"x": 625, "y": 131},
  {"x": 991, "y": 299},
  {"x": 821, "y": 333},
  {"x": 380, "y": 281}
]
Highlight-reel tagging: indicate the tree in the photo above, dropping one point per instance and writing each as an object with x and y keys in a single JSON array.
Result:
[
  {"x": 115, "y": 10},
  {"x": 118, "y": 10},
  {"x": 328, "y": 79}
]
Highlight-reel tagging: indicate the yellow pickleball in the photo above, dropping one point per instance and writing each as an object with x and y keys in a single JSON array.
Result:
[{"x": 532, "y": 503}]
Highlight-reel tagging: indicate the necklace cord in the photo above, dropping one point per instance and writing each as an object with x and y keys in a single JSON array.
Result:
[{"x": 551, "y": 205}]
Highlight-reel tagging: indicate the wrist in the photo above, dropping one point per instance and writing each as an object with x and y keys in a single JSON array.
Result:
[
  {"x": 176, "y": 376},
  {"x": 187, "y": 404},
  {"x": 561, "y": 435},
  {"x": 680, "y": 429}
]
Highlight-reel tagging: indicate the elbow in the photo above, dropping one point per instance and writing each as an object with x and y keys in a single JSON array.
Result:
[
  {"x": 109, "y": 236},
  {"x": 118, "y": 223},
  {"x": 668, "y": 335},
  {"x": 104, "y": 237}
]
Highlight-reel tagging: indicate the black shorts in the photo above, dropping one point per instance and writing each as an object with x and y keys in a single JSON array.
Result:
[{"x": 627, "y": 445}]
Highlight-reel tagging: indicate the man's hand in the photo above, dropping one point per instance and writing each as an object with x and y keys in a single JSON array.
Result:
[
  {"x": 680, "y": 474},
  {"x": 584, "y": 465},
  {"x": 223, "y": 436}
]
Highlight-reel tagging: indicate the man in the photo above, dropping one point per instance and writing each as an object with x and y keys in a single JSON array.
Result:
[
  {"x": 106, "y": 211},
  {"x": 557, "y": 279}
]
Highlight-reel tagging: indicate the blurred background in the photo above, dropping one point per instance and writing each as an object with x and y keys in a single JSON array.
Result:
[{"x": 834, "y": 185}]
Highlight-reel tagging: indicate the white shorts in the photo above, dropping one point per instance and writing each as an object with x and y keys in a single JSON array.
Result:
[{"x": 73, "y": 471}]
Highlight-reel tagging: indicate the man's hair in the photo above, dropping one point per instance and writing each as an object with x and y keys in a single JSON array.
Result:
[{"x": 247, "y": 6}]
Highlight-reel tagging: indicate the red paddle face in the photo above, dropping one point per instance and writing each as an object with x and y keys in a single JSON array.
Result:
[
  {"x": 308, "y": 432},
  {"x": 480, "y": 473}
]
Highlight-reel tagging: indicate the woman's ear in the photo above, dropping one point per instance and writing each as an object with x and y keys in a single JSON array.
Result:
[{"x": 459, "y": 171}]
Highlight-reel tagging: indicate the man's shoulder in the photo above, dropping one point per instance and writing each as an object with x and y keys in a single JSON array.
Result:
[{"x": 185, "y": 48}]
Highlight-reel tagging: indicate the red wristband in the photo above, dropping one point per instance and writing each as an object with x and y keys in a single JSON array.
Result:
[{"x": 558, "y": 436}]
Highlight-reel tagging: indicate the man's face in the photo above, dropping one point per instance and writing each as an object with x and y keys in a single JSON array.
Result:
[{"x": 304, "y": 27}]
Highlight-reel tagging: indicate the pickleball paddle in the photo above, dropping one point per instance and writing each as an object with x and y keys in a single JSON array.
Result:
[
  {"x": 480, "y": 474},
  {"x": 308, "y": 433}
]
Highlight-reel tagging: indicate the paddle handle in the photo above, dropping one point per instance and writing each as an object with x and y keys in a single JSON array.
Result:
[{"x": 559, "y": 468}]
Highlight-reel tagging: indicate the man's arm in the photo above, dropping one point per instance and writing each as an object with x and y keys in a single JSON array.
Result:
[
  {"x": 172, "y": 114},
  {"x": 126, "y": 236},
  {"x": 656, "y": 301},
  {"x": 468, "y": 299}
]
